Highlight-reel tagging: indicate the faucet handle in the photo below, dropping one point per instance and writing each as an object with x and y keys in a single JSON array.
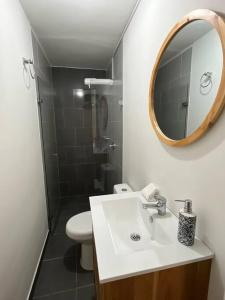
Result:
[
  {"x": 107, "y": 138},
  {"x": 152, "y": 197},
  {"x": 160, "y": 198}
]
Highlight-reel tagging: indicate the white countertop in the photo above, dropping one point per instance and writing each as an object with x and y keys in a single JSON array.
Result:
[{"x": 113, "y": 266}]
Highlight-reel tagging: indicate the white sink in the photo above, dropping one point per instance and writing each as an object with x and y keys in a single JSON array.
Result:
[
  {"x": 133, "y": 228},
  {"x": 116, "y": 217}
]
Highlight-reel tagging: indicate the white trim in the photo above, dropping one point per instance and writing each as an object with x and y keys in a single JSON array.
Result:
[
  {"x": 36, "y": 269},
  {"x": 112, "y": 71},
  {"x": 41, "y": 46},
  {"x": 78, "y": 68},
  {"x": 125, "y": 28}
]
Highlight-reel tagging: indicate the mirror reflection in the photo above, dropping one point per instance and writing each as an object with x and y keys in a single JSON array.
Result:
[{"x": 187, "y": 79}]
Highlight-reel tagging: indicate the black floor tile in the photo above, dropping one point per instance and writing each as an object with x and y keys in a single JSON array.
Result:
[
  {"x": 61, "y": 276},
  {"x": 65, "y": 295},
  {"x": 83, "y": 277},
  {"x": 86, "y": 293},
  {"x": 59, "y": 246},
  {"x": 60, "y": 227},
  {"x": 56, "y": 275}
]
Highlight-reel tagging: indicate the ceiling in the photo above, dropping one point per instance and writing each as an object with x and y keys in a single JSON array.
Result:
[{"x": 79, "y": 33}]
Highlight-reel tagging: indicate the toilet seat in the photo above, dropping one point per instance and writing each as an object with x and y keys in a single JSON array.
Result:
[{"x": 79, "y": 227}]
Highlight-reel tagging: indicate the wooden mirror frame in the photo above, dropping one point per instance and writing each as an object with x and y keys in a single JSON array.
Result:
[{"x": 218, "y": 23}]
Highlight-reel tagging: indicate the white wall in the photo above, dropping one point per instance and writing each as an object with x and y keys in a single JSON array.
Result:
[
  {"x": 23, "y": 220},
  {"x": 196, "y": 171},
  {"x": 207, "y": 56}
]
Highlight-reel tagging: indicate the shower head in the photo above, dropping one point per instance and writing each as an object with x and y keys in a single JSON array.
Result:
[{"x": 95, "y": 81}]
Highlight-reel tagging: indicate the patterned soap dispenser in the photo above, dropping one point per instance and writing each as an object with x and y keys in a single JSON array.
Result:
[{"x": 187, "y": 224}]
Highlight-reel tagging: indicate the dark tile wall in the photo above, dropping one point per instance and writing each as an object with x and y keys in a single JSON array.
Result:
[
  {"x": 78, "y": 166},
  {"x": 171, "y": 90}
]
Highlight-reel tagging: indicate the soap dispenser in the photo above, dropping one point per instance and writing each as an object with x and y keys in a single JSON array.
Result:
[{"x": 187, "y": 223}]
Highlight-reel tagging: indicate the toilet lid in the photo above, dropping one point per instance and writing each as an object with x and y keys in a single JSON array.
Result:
[{"x": 79, "y": 227}]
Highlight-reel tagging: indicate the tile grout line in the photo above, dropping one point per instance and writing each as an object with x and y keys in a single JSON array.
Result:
[
  {"x": 76, "y": 276},
  {"x": 85, "y": 286},
  {"x": 55, "y": 293},
  {"x": 58, "y": 258}
]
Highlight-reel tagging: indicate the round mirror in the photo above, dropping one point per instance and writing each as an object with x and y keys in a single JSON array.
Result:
[{"x": 187, "y": 88}]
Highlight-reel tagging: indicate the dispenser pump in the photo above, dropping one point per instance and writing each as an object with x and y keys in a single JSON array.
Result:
[
  {"x": 187, "y": 205},
  {"x": 186, "y": 224}
]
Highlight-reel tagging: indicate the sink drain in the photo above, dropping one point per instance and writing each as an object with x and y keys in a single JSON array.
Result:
[{"x": 135, "y": 237}]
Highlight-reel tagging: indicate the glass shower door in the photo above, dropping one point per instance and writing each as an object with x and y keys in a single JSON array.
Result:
[
  {"x": 107, "y": 136},
  {"x": 49, "y": 148}
]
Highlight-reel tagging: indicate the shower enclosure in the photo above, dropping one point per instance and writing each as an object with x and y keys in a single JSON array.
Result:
[
  {"x": 98, "y": 148},
  {"x": 81, "y": 130},
  {"x": 107, "y": 136},
  {"x": 101, "y": 142}
]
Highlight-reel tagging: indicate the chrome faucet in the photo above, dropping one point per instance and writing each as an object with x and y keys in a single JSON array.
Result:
[{"x": 160, "y": 204}]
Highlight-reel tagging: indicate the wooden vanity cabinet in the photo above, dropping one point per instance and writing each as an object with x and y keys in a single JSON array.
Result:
[{"x": 187, "y": 282}]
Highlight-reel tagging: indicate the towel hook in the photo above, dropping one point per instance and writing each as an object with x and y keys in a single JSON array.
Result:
[
  {"x": 29, "y": 62},
  {"x": 206, "y": 83}
]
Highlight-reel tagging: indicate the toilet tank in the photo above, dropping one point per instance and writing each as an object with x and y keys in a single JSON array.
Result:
[{"x": 122, "y": 188}]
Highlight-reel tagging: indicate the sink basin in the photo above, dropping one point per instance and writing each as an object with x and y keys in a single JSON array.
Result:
[
  {"x": 130, "y": 240},
  {"x": 133, "y": 228}
]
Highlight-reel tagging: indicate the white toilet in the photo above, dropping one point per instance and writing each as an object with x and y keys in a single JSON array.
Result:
[{"x": 79, "y": 228}]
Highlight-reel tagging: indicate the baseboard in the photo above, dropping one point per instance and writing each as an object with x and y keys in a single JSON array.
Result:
[{"x": 36, "y": 269}]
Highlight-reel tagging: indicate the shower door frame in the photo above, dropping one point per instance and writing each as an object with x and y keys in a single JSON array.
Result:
[{"x": 39, "y": 102}]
